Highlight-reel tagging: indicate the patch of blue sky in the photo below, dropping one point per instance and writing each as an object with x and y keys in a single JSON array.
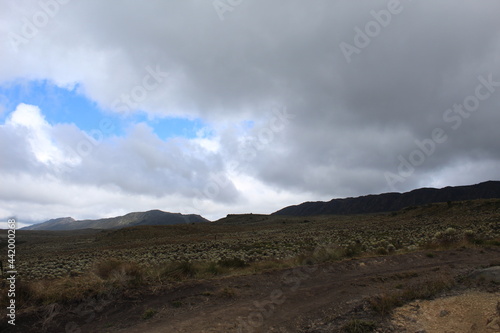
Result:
[
  {"x": 169, "y": 127},
  {"x": 60, "y": 105},
  {"x": 248, "y": 124}
]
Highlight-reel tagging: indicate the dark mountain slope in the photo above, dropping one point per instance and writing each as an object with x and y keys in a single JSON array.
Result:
[{"x": 387, "y": 202}]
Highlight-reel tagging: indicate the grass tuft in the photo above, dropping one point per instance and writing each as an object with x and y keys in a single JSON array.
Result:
[
  {"x": 232, "y": 263},
  {"x": 179, "y": 271},
  {"x": 358, "y": 326},
  {"x": 227, "y": 292},
  {"x": 120, "y": 273},
  {"x": 384, "y": 304},
  {"x": 149, "y": 313}
]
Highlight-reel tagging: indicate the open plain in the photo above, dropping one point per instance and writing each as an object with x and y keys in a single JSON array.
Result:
[{"x": 260, "y": 273}]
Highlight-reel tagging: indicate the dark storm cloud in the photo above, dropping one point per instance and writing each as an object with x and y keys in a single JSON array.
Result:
[{"x": 356, "y": 116}]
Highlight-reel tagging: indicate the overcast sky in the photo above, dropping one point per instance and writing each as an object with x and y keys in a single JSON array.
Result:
[{"x": 235, "y": 106}]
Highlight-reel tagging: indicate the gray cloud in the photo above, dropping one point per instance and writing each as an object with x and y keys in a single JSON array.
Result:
[{"x": 353, "y": 120}]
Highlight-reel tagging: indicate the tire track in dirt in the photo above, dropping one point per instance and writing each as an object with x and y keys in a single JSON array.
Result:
[{"x": 285, "y": 300}]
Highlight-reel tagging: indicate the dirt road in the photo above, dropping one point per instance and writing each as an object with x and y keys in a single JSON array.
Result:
[{"x": 314, "y": 298}]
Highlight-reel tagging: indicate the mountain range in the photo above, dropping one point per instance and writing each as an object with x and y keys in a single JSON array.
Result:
[
  {"x": 374, "y": 203},
  {"x": 387, "y": 202},
  {"x": 152, "y": 217}
]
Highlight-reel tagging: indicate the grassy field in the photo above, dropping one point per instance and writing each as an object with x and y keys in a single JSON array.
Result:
[{"x": 63, "y": 266}]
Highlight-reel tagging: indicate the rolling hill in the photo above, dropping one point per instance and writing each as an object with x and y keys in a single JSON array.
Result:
[{"x": 152, "y": 217}]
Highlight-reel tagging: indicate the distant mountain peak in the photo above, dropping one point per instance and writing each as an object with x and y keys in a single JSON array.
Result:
[{"x": 151, "y": 217}]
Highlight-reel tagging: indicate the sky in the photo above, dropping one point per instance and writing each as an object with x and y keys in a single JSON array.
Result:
[{"x": 233, "y": 106}]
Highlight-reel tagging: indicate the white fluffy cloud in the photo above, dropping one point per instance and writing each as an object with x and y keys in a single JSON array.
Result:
[
  {"x": 63, "y": 167},
  {"x": 28, "y": 121}
]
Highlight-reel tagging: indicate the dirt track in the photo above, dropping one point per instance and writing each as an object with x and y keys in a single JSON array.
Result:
[{"x": 306, "y": 299}]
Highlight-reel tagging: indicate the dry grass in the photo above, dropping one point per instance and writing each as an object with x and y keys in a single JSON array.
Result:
[
  {"x": 62, "y": 290},
  {"x": 61, "y": 267},
  {"x": 226, "y": 292},
  {"x": 358, "y": 326},
  {"x": 384, "y": 304},
  {"x": 108, "y": 277},
  {"x": 149, "y": 313},
  {"x": 119, "y": 272}
]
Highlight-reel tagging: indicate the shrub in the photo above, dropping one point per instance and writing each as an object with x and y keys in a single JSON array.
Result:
[
  {"x": 232, "y": 263},
  {"x": 227, "y": 292},
  {"x": 149, "y": 313},
  {"x": 469, "y": 235},
  {"x": 26, "y": 293},
  {"x": 354, "y": 250},
  {"x": 450, "y": 232},
  {"x": 105, "y": 268},
  {"x": 213, "y": 269},
  {"x": 358, "y": 326},
  {"x": 381, "y": 251},
  {"x": 447, "y": 237},
  {"x": 179, "y": 270},
  {"x": 324, "y": 254},
  {"x": 176, "y": 304},
  {"x": 62, "y": 291},
  {"x": 125, "y": 273},
  {"x": 385, "y": 303}
]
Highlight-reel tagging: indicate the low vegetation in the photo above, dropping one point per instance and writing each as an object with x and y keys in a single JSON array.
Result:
[
  {"x": 149, "y": 313},
  {"x": 384, "y": 304},
  {"x": 359, "y": 326},
  {"x": 67, "y": 266}
]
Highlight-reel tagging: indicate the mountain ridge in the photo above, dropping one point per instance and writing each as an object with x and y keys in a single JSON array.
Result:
[
  {"x": 372, "y": 203},
  {"x": 151, "y": 217},
  {"x": 393, "y": 201}
]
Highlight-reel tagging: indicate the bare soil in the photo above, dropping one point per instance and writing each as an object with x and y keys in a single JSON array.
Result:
[
  {"x": 472, "y": 311},
  {"x": 310, "y": 298}
]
